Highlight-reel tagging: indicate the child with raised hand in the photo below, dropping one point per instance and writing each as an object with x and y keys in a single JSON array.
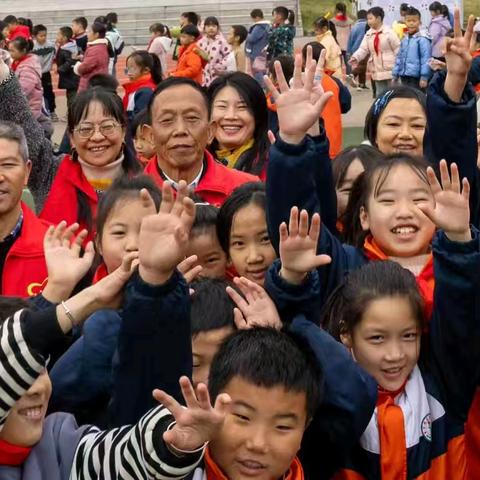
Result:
[
  {"x": 424, "y": 394},
  {"x": 164, "y": 444},
  {"x": 242, "y": 232}
]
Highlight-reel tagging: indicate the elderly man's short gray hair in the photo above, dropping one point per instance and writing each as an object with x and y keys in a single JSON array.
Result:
[{"x": 11, "y": 131}]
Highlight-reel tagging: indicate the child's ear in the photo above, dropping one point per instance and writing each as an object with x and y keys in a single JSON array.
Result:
[
  {"x": 98, "y": 245},
  {"x": 346, "y": 339},
  {"x": 364, "y": 219}
]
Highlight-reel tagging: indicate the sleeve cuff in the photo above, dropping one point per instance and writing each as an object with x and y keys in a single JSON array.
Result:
[
  {"x": 148, "y": 290},
  {"x": 458, "y": 247},
  {"x": 291, "y": 149}
]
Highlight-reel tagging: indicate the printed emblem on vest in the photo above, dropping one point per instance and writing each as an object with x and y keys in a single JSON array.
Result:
[{"x": 427, "y": 427}]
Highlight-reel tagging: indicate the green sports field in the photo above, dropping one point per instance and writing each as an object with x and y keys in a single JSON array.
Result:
[{"x": 311, "y": 9}]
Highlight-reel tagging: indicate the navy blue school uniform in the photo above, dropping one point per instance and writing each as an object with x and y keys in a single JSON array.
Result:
[
  {"x": 83, "y": 378},
  {"x": 439, "y": 392}
]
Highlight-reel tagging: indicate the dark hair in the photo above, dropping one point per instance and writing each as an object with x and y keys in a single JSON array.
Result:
[
  {"x": 81, "y": 21},
  {"x": 367, "y": 155},
  {"x": 211, "y": 21},
  {"x": 252, "y": 94},
  {"x": 241, "y": 32},
  {"x": 341, "y": 7},
  {"x": 377, "y": 12},
  {"x": 113, "y": 106},
  {"x": 322, "y": 22},
  {"x": 149, "y": 61},
  {"x": 412, "y": 11},
  {"x": 192, "y": 17},
  {"x": 256, "y": 13},
  {"x": 67, "y": 32},
  {"x": 22, "y": 44},
  {"x": 112, "y": 17},
  {"x": 370, "y": 183},
  {"x": 372, "y": 281},
  {"x": 10, "y": 305},
  {"x": 291, "y": 17},
  {"x": 206, "y": 216},
  {"x": 378, "y": 107},
  {"x": 439, "y": 8},
  {"x": 26, "y": 22},
  {"x": 105, "y": 81},
  {"x": 99, "y": 28},
  {"x": 282, "y": 11},
  {"x": 211, "y": 306},
  {"x": 267, "y": 358},
  {"x": 317, "y": 48},
  {"x": 38, "y": 28},
  {"x": 175, "y": 82},
  {"x": 191, "y": 30},
  {"x": 141, "y": 118},
  {"x": 288, "y": 66},
  {"x": 244, "y": 195},
  {"x": 10, "y": 19},
  {"x": 404, "y": 7},
  {"x": 160, "y": 28},
  {"x": 124, "y": 187},
  {"x": 361, "y": 14}
]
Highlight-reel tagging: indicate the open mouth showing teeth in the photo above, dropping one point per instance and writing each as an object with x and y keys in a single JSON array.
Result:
[
  {"x": 98, "y": 149},
  {"x": 404, "y": 230},
  {"x": 251, "y": 465},
  {"x": 231, "y": 128},
  {"x": 33, "y": 413}
]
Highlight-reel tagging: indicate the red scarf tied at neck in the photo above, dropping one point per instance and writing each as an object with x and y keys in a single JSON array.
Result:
[
  {"x": 376, "y": 43},
  {"x": 13, "y": 455}
]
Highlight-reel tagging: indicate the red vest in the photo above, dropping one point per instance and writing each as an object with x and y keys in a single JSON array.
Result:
[
  {"x": 25, "y": 271},
  {"x": 216, "y": 184},
  {"x": 62, "y": 202}
]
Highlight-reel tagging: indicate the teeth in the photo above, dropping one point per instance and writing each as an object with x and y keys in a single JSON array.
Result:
[
  {"x": 404, "y": 230},
  {"x": 33, "y": 412},
  {"x": 231, "y": 129},
  {"x": 98, "y": 149}
]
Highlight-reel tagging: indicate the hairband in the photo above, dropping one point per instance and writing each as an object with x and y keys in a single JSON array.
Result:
[{"x": 381, "y": 102}]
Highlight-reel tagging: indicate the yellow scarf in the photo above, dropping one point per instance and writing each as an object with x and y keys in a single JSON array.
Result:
[{"x": 232, "y": 156}]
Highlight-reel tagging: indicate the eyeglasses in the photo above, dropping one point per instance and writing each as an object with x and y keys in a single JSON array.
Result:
[{"x": 86, "y": 130}]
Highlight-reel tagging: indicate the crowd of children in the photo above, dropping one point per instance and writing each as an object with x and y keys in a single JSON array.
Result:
[{"x": 204, "y": 285}]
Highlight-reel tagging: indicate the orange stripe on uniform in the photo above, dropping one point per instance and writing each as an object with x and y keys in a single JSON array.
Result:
[{"x": 472, "y": 439}]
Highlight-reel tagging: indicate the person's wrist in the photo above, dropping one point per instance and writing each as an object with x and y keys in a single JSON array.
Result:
[
  {"x": 154, "y": 276},
  {"x": 290, "y": 276},
  {"x": 292, "y": 138},
  {"x": 56, "y": 291},
  {"x": 460, "y": 237}
]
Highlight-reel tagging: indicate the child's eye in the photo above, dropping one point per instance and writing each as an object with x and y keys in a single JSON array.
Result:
[
  {"x": 236, "y": 244},
  {"x": 118, "y": 233},
  {"x": 212, "y": 260},
  {"x": 410, "y": 336},
  {"x": 376, "y": 338},
  {"x": 284, "y": 428},
  {"x": 242, "y": 418},
  {"x": 419, "y": 200},
  {"x": 386, "y": 201},
  {"x": 265, "y": 239}
]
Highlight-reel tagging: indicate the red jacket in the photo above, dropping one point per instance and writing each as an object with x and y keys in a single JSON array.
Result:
[
  {"x": 62, "y": 201},
  {"x": 95, "y": 61},
  {"x": 216, "y": 184},
  {"x": 25, "y": 271},
  {"x": 190, "y": 64}
]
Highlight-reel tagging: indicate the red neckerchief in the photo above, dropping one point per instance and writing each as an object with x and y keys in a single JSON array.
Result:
[
  {"x": 425, "y": 280},
  {"x": 144, "y": 81},
  {"x": 100, "y": 272},
  {"x": 214, "y": 473},
  {"x": 391, "y": 430},
  {"x": 341, "y": 17},
  {"x": 13, "y": 455},
  {"x": 16, "y": 63},
  {"x": 376, "y": 42}
]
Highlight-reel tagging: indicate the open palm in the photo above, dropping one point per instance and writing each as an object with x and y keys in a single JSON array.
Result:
[
  {"x": 164, "y": 237},
  {"x": 457, "y": 49},
  {"x": 298, "y": 244},
  {"x": 451, "y": 211},
  {"x": 199, "y": 422}
]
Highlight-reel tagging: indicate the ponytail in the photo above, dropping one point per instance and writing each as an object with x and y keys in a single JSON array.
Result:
[
  {"x": 291, "y": 17},
  {"x": 148, "y": 60}
]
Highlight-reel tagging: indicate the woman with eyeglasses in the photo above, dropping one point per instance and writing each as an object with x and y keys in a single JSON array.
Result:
[{"x": 97, "y": 127}]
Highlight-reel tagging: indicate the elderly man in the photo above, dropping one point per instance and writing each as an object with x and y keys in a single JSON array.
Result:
[
  {"x": 180, "y": 130},
  {"x": 23, "y": 271}
]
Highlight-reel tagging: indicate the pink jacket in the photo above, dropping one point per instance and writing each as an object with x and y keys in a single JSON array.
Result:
[
  {"x": 380, "y": 64},
  {"x": 218, "y": 50},
  {"x": 95, "y": 61},
  {"x": 29, "y": 74}
]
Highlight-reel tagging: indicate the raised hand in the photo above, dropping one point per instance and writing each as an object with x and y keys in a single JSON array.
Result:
[
  {"x": 65, "y": 264},
  {"x": 298, "y": 246},
  {"x": 163, "y": 237},
  {"x": 189, "y": 269},
  {"x": 196, "y": 424},
  {"x": 458, "y": 57},
  {"x": 295, "y": 110},
  {"x": 451, "y": 211},
  {"x": 255, "y": 308}
]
